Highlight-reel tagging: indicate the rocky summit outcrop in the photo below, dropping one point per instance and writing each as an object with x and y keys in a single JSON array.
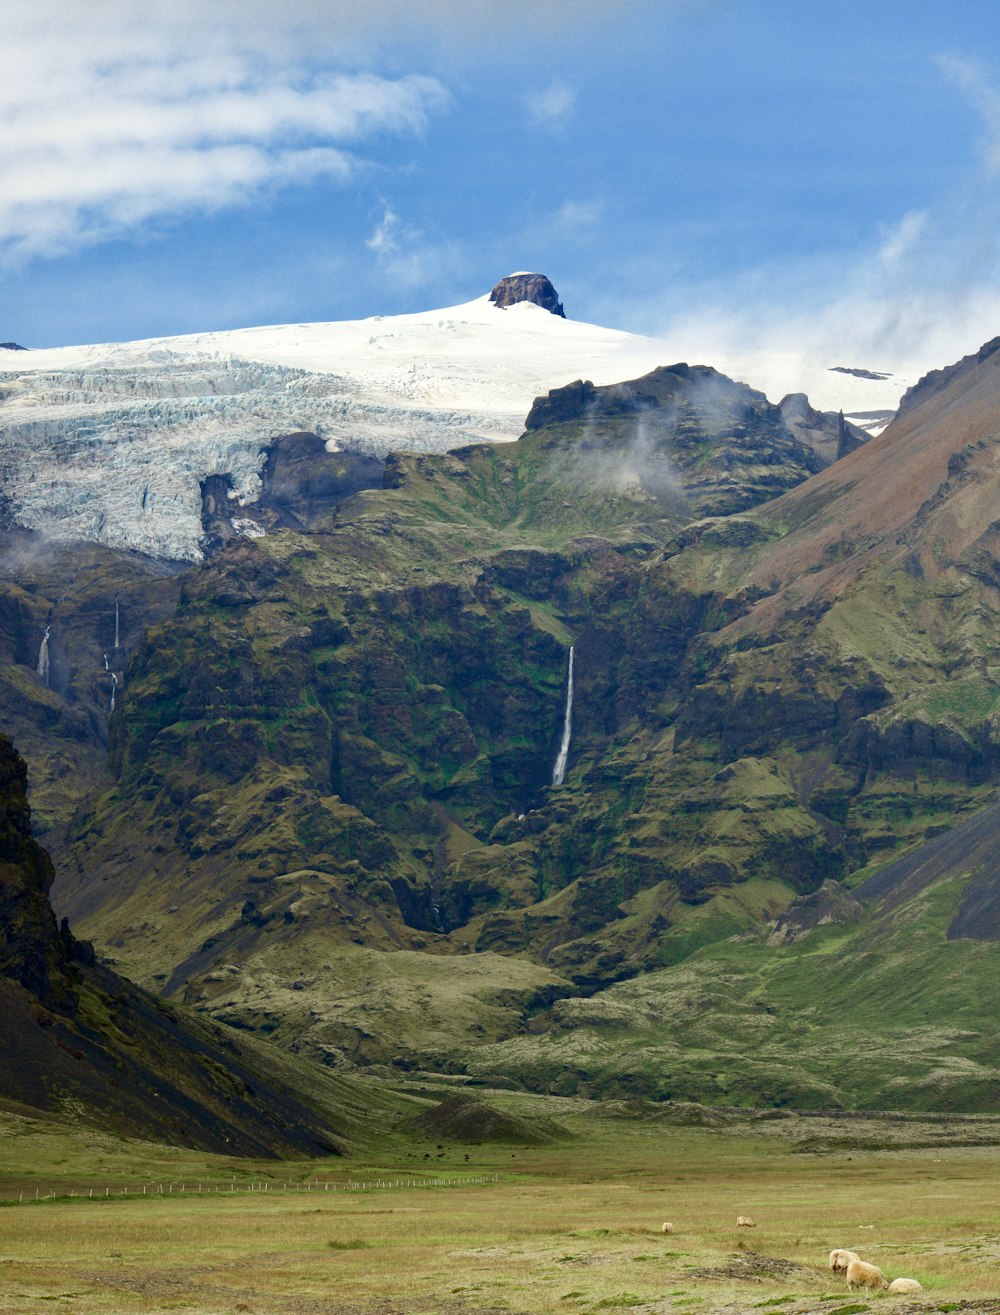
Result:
[
  {"x": 535, "y": 288},
  {"x": 722, "y": 445},
  {"x": 82, "y": 1042}
]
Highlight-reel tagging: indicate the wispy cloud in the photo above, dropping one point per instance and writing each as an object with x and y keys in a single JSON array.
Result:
[
  {"x": 103, "y": 127},
  {"x": 576, "y": 218},
  {"x": 973, "y": 82},
  {"x": 552, "y": 107},
  {"x": 409, "y": 257}
]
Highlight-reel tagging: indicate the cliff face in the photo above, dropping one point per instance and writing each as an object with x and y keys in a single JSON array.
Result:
[{"x": 32, "y": 953}]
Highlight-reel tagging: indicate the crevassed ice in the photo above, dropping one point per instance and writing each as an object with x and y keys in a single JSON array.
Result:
[{"x": 116, "y": 455}]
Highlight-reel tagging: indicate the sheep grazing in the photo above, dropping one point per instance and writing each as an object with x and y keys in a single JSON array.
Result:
[
  {"x": 905, "y": 1285},
  {"x": 744, "y": 1221},
  {"x": 862, "y": 1275},
  {"x": 840, "y": 1259},
  {"x": 666, "y": 1228}
]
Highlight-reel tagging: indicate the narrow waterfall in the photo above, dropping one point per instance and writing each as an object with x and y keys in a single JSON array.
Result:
[
  {"x": 43, "y": 656},
  {"x": 116, "y": 621},
  {"x": 559, "y": 771},
  {"x": 107, "y": 664},
  {"x": 114, "y": 690}
]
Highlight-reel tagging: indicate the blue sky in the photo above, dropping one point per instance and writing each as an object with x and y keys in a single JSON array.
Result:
[{"x": 709, "y": 168}]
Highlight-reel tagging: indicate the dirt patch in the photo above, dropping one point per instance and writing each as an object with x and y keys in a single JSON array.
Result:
[{"x": 755, "y": 1265}]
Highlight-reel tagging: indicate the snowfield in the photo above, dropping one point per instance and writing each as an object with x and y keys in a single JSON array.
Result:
[{"x": 109, "y": 442}]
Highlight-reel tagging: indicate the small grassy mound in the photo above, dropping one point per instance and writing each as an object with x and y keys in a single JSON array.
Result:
[{"x": 466, "y": 1119}]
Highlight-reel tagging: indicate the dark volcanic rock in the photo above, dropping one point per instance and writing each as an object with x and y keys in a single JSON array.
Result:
[
  {"x": 535, "y": 288},
  {"x": 216, "y": 511},
  {"x": 688, "y": 428},
  {"x": 302, "y": 481},
  {"x": 832, "y": 904},
  {"x": 12, "y": 347}
]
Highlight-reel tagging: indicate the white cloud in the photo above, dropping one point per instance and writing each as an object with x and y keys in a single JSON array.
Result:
[
  {"x": 551, "y": 107},
  {"x": 982, "y": 96},
  {"x": 105, "y": 125}
]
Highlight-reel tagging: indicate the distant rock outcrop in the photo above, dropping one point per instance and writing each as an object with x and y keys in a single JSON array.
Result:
[
  {"x": 832, "y": 904},
  {"x": 535, "y": 288},
  {"x": 12, "y": 347},
  {"x": 828, "y": 434}
]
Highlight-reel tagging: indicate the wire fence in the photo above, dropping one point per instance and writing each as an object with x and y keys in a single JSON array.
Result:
[{"x": 231, "y": 1186}]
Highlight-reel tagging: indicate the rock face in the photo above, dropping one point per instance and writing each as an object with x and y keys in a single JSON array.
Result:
[
  {"x": 829, "y": 906},
  {"x": 830, "y": 436},
  {"x": 723, "y": 445},
  {"x": 535, "y": 288}
]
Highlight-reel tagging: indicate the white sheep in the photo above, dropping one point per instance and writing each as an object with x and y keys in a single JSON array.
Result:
[
  {"x": 744, "y": 1221},
  {"x": 666, "y": 1228},
  {"x": 841, "y": 1258},
  {"x": 905, "y": 1285},
  {"x": 861, "y": 1274}
]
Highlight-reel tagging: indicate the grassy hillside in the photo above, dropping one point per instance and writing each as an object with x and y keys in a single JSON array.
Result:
[{"x": 332, "y": 820}]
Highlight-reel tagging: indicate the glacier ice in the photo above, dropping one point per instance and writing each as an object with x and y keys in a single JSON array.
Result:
[{"x": 116, "y": 455}]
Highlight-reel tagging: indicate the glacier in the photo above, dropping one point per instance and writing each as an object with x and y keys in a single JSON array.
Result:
[{"x": 110, "y": 443}]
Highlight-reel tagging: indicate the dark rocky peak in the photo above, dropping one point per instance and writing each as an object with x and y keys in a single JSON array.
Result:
[
  {"x": 535, "y": 288},
  {"x": 666, "y": 386},
  {"x": 12, "y": 347},
  {"x": 31, "y": 951}
]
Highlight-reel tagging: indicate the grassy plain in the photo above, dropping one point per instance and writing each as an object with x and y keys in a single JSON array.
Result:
[{"x": 571, "y": 1228}]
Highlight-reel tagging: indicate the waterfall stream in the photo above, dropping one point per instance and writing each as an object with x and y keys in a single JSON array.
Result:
[
  {"x": 43, "y": 656},
  {"x": 114, "y": 690},
  {"x": 116, "y": 622},
  {"x": 559, "y": 771}
]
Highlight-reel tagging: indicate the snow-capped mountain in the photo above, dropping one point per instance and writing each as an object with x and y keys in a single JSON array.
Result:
[{"x": 111, "y": 442}]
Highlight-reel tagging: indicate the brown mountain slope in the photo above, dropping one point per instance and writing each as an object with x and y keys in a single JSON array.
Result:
[{"x": 927, "y": 485}]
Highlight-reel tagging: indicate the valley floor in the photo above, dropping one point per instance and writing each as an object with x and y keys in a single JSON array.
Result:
[{"x": 574, "y": 1227}]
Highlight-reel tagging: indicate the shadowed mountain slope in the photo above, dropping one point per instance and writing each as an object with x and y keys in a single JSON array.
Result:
[{"x": 81, "y": 1042}]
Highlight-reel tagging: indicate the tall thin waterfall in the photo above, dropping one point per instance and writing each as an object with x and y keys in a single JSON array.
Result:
[
  {"x": 559, "y": 771},
  {"x": 114, "y": 690},
  {"x": 107, "y": 664},
  {"x": 43, "y": 656},
  {"x": 116, "y": 621}
]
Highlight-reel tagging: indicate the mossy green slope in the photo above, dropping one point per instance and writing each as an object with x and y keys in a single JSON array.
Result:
[
  {"x": 345, "y": 739},
  {"x": 886, "y": 1011}
]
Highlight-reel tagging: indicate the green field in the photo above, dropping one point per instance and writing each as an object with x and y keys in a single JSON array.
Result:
[{"x": 572, "y": 1227}]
